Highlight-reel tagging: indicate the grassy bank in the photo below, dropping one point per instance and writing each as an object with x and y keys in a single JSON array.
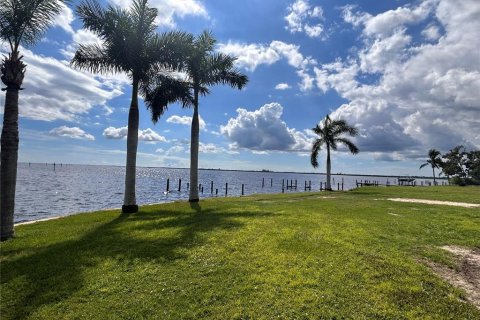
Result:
[{"x": 296, "y": 256}]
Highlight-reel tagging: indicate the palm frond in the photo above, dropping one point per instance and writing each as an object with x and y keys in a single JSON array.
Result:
[
  {"x": 25, "y": 21},
  {"x": 318, "y": 130},
  {"x": 350, "y": 145},
  {"x": 315, "y": 149},
  {"x": 169, "y": 50},
  {"x": 424, "y": 165},
  {"x": 205, "y": 42},
  {"x": 94, "y": 17},
  {"x": 95, "y": 59},
  {"x": 163, "y": 90},
  {"x": 342, "y": 127}
]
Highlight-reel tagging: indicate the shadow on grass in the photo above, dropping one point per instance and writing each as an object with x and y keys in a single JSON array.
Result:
[{"x": 55, "y": 272}]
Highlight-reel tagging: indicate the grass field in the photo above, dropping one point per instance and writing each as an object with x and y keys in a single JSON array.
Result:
[{"x": 292, "y": 256}]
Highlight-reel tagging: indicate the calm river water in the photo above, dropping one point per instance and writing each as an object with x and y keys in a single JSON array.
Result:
[{"x": 43, "y": 192}]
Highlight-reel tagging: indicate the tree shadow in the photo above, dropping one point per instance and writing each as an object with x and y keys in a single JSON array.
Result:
[{"x": 55, "y": 272}]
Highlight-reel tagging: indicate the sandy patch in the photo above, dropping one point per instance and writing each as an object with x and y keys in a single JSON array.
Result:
[
  {"x": 393, "y": 214},
  {"x": 327, "y": 197},
  {"x": 445, "y": 203},
  {"x": 467, "y": 277}
]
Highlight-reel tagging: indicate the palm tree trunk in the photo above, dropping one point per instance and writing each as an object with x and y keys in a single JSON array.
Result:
[
  {"x": 434, "y": 182},
  {"x": 9, "y": 156},
  {"x": 194, "y": 142},
  {"x": 129, "y": 201},
  {"x": 13, "y": 72},
  {"x": 329, "y": 169}
]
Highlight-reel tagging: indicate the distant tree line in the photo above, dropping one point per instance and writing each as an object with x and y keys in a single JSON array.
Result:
[{"x": 459, "y": 165}]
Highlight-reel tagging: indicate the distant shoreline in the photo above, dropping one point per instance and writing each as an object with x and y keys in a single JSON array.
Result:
[{"x": 260, "y": 171}]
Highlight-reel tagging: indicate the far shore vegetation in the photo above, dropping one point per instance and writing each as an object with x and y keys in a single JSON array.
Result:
[{"x": 317, "y": 255}]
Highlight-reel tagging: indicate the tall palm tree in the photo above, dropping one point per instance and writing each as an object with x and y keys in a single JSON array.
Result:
[
  {"x": 129, "y": 45},
  {"x": 434, "y": 160},
  {"x": 330, "y": 134},
  {"x": 205, "y": 68},
  {"x": 22, "y": 22}
]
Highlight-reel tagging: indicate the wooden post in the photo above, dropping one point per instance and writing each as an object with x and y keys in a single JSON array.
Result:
[
  {"x": 216, "y": 192},
  {"x": 179, "y": 185},
  {"x": 243, "y": 189},
  {"x": 271, "y": 182},
  {"x": 226, "y": 189},
  {"x": 338, "y": 186},
  {"x": 295, "y": 184},
  {"x": 342, "y": 185},
  {"x": 188, "y": 185},
  {"x": 263, "y": 183},
  {"x": 211, "y": 186},
  {"x": 168, "y": 184},
  {"x": 283, "y": 185}
]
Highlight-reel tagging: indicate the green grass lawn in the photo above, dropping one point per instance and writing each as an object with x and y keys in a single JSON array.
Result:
[{"x": 290, "y": 256}]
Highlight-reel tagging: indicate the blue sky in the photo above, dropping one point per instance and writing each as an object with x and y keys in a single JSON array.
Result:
[{"x": 406, "y": 73}]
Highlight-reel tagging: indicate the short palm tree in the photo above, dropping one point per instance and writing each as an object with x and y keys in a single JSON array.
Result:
[
  {"x": 330, "y": 134},
  {"x": 129, "y": 45},
  {"x": 434, "y": 160},
  {"x": 203, "y": 68},
  {"x": 22, "y": 22}
]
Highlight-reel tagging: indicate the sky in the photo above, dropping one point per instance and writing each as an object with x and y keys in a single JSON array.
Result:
[{"x": 405, "y": 73}]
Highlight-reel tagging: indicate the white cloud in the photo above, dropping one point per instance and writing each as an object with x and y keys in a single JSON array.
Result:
[
  {"x": 300, "y": 16},
  {"x": 425, "y": 95},
  {"x": 431, "y": 32},
  {"x": 54, "y": 91},
  {"x": 186, "y": 120},
  {"x": 168, "y": 10},
  {"x": 282, "y": 86},
  {"x": 115, "y": 133},
  {"x": 250, "y": 56},
  {"x": 212, "y": 148},
  {"x": 175, "y": 150},
  {"x": 71, "y": 132},
  {"x": 150, "y": 136},
  {"x": 64, "y": 19},
  {"x": 264, "y": 130},
  {"x": 147, "y": 135}
]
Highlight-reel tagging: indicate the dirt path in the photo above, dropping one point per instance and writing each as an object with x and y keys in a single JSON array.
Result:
[
  {"x": 445, "y": 203},
  {"x": 467, "y": 276}
]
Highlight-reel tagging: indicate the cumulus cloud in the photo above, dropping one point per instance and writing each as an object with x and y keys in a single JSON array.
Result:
[
  {"x": 264, "y": 130},
  {"x": 424, "y": 95},
  {"x": 71, "y": 132},
  {"x": 213, "y": 148},
  {"x": 147, "y": 135},
  {"x": 282, "y": 86},
  {"x": 300, "y": 18},
  {"x": 168, "y": 10},
  {"x": 54, "y": 91},
  {"x": 64, "y": 19},
  {"x": 186, "y": 120},
  {"x": 250, "y": 56}
]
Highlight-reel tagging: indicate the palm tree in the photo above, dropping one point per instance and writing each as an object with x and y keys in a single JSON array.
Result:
[
  {"x": 434, "y": 160},
  {"x": 129, "y": 45},
  {"x": 22, "y": 22},
  {"x": 205, "y": 68},
  {"x": 330, "y": 133}
]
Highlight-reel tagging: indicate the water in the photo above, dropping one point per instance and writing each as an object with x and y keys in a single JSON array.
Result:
[{"x": 43, "y": 192}]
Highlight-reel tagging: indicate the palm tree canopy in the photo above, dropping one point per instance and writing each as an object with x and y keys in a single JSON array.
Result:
[
  {"x": 129, "y": 42},
  {"x": 206, "y": 68},
  {"x": 331, "y": 133},
  {"x": 23, "y": 22},
  {"x": 201, "y": 68},
  {"x": 434, "y": 159}
]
